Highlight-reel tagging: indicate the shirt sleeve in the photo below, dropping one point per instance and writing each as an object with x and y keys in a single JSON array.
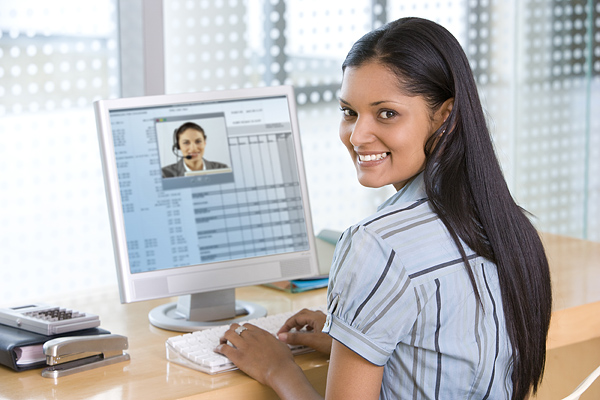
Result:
[{"x": 372, "y": 305}]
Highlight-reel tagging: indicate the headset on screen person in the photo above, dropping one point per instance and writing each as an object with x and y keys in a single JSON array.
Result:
[{"x": 179, "y": 131}]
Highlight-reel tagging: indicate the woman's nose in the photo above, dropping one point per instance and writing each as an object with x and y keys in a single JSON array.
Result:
[{"x": 362, "y": 132}]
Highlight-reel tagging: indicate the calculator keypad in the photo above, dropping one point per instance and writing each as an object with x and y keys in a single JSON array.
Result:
[{"x": 54, "y": 314}]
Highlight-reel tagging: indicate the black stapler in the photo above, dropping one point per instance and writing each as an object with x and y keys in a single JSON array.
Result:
[{"x": 68, "y": 355}]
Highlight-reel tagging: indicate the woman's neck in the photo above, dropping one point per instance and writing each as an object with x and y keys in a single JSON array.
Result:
[{"x": 195, "y": 165}]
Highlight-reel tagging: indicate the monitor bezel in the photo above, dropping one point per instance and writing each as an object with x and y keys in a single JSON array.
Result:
[{"x": 127, "y": 279}]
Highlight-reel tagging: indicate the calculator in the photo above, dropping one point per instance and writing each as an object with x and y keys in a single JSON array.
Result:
[{"x": 47, "y": 319}]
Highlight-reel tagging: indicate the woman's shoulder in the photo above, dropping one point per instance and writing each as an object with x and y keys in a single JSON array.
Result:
[
  {"x": 173, "y": 170},
  {"x": 396, "y": 225},
  {"x": 215, "y": 165},
  {"x": 395, "y": 228},
  {"x": 415, "y": 233}
]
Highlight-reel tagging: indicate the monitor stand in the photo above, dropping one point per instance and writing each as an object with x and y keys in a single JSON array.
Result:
[{"x": 199, "y": 311}]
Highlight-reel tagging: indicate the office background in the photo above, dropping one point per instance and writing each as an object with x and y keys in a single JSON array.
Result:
[{"x": 537, "y": 64}]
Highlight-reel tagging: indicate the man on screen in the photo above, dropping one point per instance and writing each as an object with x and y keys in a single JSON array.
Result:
[{"x": 190, "y": 140}]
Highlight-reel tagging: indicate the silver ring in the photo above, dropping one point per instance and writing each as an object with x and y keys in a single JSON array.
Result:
[{"x": 240, "y": 329}]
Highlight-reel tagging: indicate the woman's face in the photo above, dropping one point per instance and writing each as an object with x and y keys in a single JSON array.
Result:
[
  {"x": 192, "y": 143},
  {"x": 384, "y": 130}
]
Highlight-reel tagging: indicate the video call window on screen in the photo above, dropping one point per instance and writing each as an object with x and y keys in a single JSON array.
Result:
[{"x": 193, "y": 146}]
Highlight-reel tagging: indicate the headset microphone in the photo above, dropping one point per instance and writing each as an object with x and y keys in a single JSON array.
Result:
[{"x": 188, "y": 157}]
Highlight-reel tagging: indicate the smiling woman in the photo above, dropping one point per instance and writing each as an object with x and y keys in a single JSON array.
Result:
[
  {"x": 384, "y": 129},
  {"x": 190, "y": 140},
  {"x": 444, "y": 292}
]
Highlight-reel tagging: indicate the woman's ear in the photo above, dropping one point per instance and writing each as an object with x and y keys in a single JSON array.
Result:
[{"x": 443, "y": 112}]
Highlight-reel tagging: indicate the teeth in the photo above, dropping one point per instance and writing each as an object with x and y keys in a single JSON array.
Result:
[{"x": 372, "y": 157}]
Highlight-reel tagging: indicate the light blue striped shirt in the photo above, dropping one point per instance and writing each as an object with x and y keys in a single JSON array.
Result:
[{"x": 399, "y": 296}]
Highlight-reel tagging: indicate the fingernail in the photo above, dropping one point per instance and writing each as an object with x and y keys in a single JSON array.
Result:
[{"x": 283, "y": 337}]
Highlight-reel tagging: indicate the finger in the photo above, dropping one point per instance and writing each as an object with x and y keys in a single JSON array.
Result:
[
  {"x": 231, "y": 336},
  {"x": 316, "y": 340},
  {"x": 238, "y": 343},
  {"x": 223, "y": 339},
  {"x": 226, "y": 350},
  {"x": 311, "y": 320},
  {"x": 246, "y": 335},
  {"x": 297, "y": 338},
  {"x": 299, "y": 320}
]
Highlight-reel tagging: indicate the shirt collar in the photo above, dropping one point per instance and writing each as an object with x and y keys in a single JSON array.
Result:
[
  {"x": 413, "y": 190},
  {"x": 187, "y": 169}
]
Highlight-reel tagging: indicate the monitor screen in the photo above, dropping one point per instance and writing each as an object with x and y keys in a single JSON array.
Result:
[{"x": 206, "y": 193}]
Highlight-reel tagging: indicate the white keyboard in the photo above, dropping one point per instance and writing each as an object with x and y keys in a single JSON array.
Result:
[{"x": 196, "y": 350}]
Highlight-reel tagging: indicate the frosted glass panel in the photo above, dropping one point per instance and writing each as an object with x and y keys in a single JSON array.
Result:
[
  {"x": 553, "y": 104},
  {"x": 56, "y": 58},
  {"x": 536, "y": 64}
]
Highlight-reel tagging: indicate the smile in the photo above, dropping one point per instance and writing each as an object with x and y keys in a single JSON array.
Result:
[{"x": 372, "y": 157}]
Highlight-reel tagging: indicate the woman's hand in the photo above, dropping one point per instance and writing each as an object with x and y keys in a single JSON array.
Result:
[
  {"x": 266, "y": 359},
  {"x": 313, "y": 337},
  {"x": 256, "y": 352}
]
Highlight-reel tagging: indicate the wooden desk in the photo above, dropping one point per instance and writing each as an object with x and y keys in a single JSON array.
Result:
[
  {"x": 575, "y": 271},
  {"x": 574, "y": 337},
  {"x": 575, "y": 266},
  {"x": 148, "y": 375}
]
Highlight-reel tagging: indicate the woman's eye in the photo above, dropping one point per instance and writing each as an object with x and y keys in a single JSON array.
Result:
[
  {"x": 386, "y": 114},
  {"x": 347, "y": 112}
]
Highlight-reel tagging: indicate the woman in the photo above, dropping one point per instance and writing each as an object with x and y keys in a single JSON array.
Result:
[
  {"x": 190, "y": 139},
  {"x": 445, "y": 291}
]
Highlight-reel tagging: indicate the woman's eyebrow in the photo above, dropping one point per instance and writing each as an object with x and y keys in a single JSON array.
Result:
[{"x": 375, "y": 103}]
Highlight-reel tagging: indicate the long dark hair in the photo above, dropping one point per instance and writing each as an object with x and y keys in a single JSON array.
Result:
[{"x": 465, "y": 184}]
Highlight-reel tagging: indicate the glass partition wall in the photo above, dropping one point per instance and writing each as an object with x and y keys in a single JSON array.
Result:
[
  {"x": 537, "y": 64},
  {"x": 56, "y": 58}
]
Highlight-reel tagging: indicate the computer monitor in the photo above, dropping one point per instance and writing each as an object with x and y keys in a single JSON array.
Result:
[{"x": 196, "y": 213}]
